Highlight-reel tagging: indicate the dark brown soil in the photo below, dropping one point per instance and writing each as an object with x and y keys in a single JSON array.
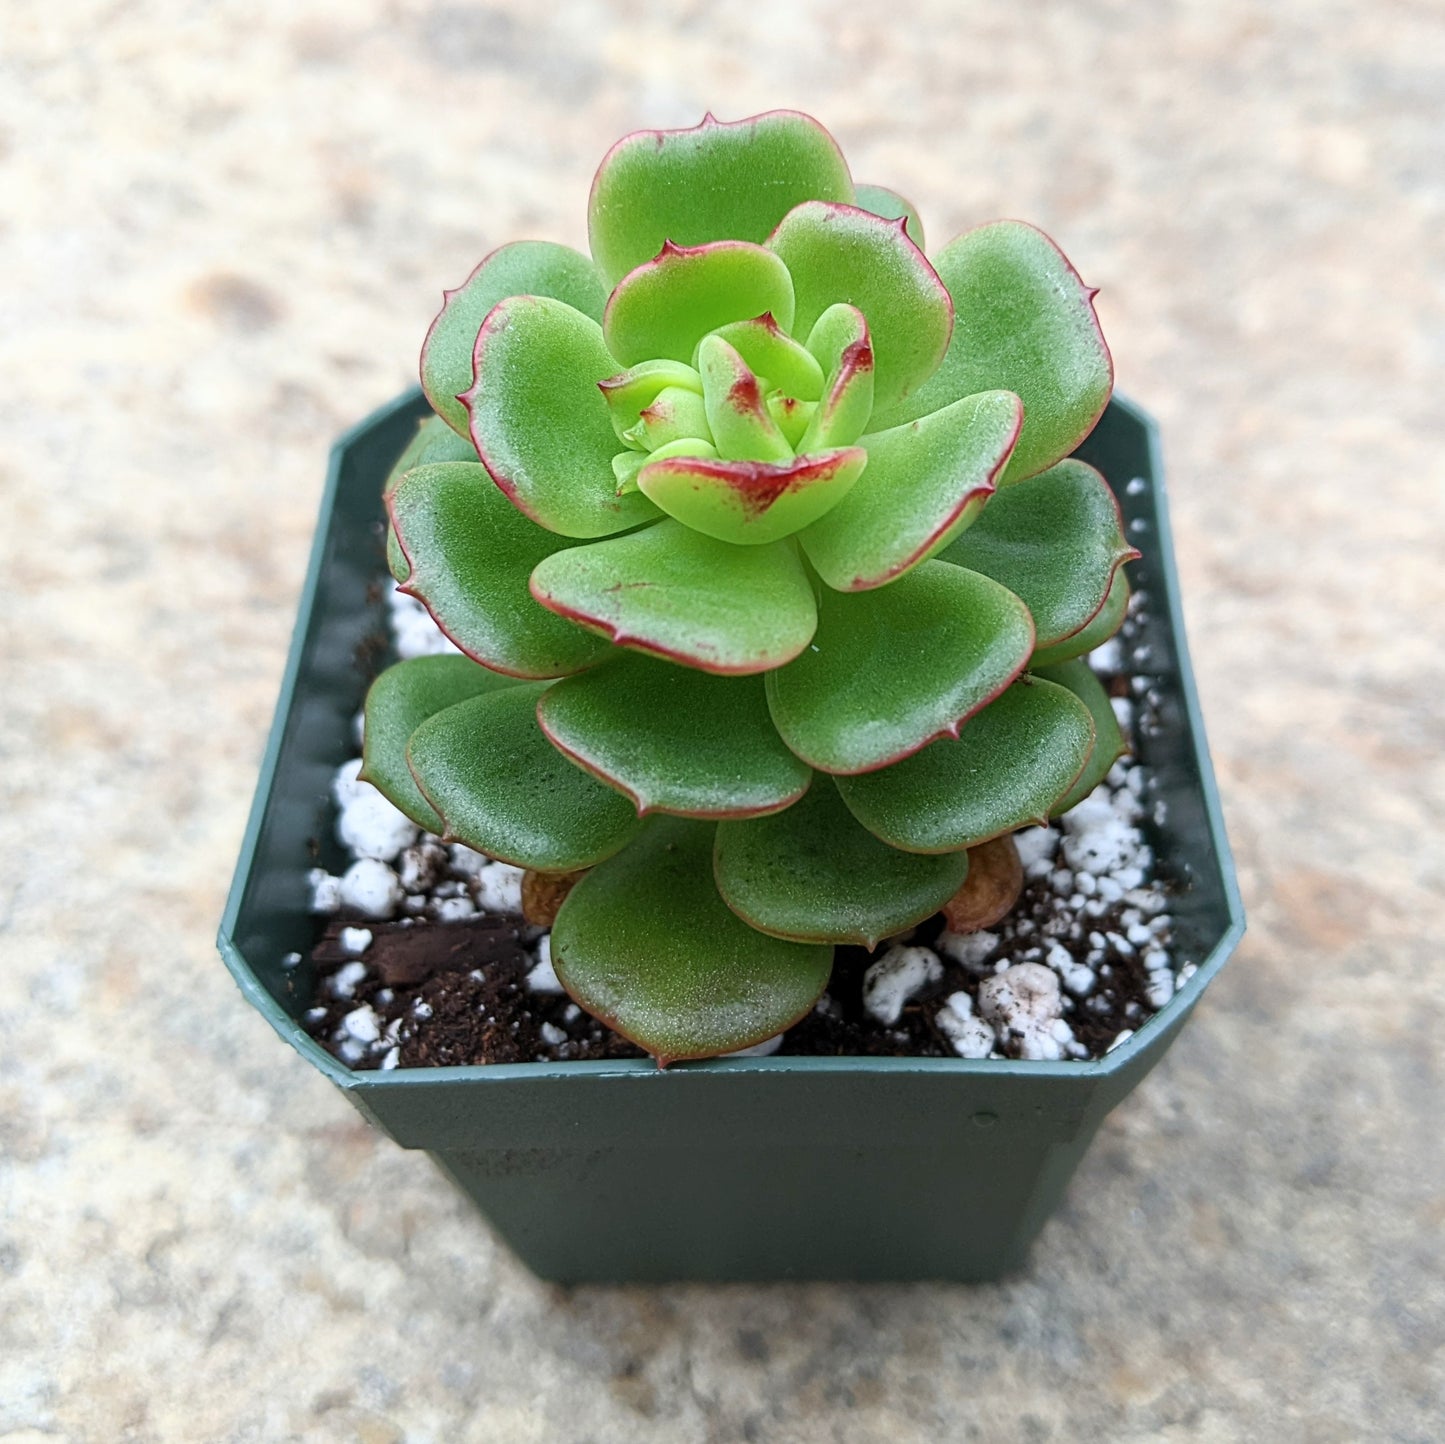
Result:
[{"x": 455, "y": 994}]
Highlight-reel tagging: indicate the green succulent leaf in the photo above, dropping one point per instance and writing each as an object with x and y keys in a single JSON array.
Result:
[
  {"x": 891, "y": 669},
  {"x": 741, "y": 426},
  {"x": 1109, "y": 741},
  {"x": 397, "y": 703},
  {"x": 539, "y": 423},
  {"x": 501, "y": 787},
  {"x": 677, "y": 414},
  {"x": 1006, "y": 768},
  {"x": 773, "y": 355},
  {"x": 631, "y": 392},
  {"x": 675, "y": 739},
  {"x": 881, "y": 201},
  {"x": 730, "y": 180},
  {"x": 645, "y": 943},
  {"x": 792, "y": 416},
  {"x": 523, "y": 268},
  {"x": 926, "y": 480},
  {"x": 814, "y": 874},
  {"x": 839, "y": 253},
  {"x": 1057, "y": 540},
  {"x": 1024, "y": 321},
  {"x": 1101, "y": 626},
  {"x": 665, "y": 307},
  {"x": 434, "y": 441},
  {"x": 751, "y": 503},
  {"x": 673, "y": 592},
  {"x": 842, "y": 415},
  {"x": 469, "y": 555}
]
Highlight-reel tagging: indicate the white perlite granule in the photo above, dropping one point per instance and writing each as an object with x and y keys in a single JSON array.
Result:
[
  {"x": 543, "y": 976},
  {"x": 355, "y": 940},
  {"x": 370, "y": 826},
  {"x": 970, "y": 1036},
  {"x": 969, "y": 950},
  {"x": 1023, "y": 1003},
  {"x": 371, "y": 887},
  {"x": 895, "y": 978}
]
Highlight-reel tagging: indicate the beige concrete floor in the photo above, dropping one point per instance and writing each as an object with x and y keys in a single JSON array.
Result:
[{"x": 223, "y": 228}]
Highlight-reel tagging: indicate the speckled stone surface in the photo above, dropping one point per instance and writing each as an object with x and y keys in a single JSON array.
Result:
[{"x": 223, "y": 229}]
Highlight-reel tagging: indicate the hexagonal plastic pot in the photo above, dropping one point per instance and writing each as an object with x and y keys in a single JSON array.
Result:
[{"x": 763, "y": 1168}]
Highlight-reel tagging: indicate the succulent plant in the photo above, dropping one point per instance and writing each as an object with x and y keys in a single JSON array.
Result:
[{"x": 760, "y": 536}]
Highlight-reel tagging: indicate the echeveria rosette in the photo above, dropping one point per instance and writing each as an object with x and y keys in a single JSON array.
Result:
[{"x": 759, "y": 536}]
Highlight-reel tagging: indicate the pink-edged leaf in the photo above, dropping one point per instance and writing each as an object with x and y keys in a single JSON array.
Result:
[
  {"x": 1024, "y": 322},
  {"x": 1056, "y": 540},
  {"x": 522, "y": 268},
  {"x": 814, "y": 874},
  {"x": 664, "y": 307},
  {"x": 674, "y": 593},
  {"x": 675, "y": 739},
  {"x": 892, "y": 207},
  {"x": 397, "y": 703},
  {"x": 889, "y": 670},
  {"x": 1100, "y": 627},
  {"x": 840, "y": 253},
  {"x": 676, "y": 414},
  {"x": 434, "y": 441},
  {"x": 540, "y": 424},
  {"x": 631, "y": 392},
  {"x": 645, "y": 943},
  {"x": 777, "y": 360},
  {"x": 729, "y": 180},
  {"x": 741, "y": 427},
  {"x": 1007, "y": 767},
  {"x": 502, "y": 788},
  {"x": 925, "y": 481},
  {"x": 752, "y": 503},
  {"x": 841, "y": 417},
  {"x": 469, "y": 555}
]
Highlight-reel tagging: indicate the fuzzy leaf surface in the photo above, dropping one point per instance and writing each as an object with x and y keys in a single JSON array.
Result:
[
  {"x": 469, "y": 554},
  {"x": 891, "y": 669},
  {"x": 434, "y": 441},
  {"x": 539, "y": 422},
  {"x": 1109, "y": 741},
  {"x": 674, "y": 592},
  {"x": 731, "y": 180},
  {"x": 1007, "y": 767},
  {"x": 752, "y": 503},
  {"x": 397, "y": 703},
  {"x": 522, "y": 268},
  {"x": 1101, "y": 626},
  {"x": 1023, "y": 322},
  {"x": 1057, "y": 540},
  {"x": 502, "y": 788},
  {"x": 675, "y": 739},
  {"x": 840, "y": 253},
  {"x": 665, "y": 307},
  {"x": 814, "y": 874},
  {"x": 925, "y": 481},
  {"x": 645, "y": 943}
]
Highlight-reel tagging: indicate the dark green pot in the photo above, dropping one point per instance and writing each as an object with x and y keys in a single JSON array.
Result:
[{"x": 768, "y": 1168}]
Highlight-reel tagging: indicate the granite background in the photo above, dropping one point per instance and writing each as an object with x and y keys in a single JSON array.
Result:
[{"x": 223, "y": 229}]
